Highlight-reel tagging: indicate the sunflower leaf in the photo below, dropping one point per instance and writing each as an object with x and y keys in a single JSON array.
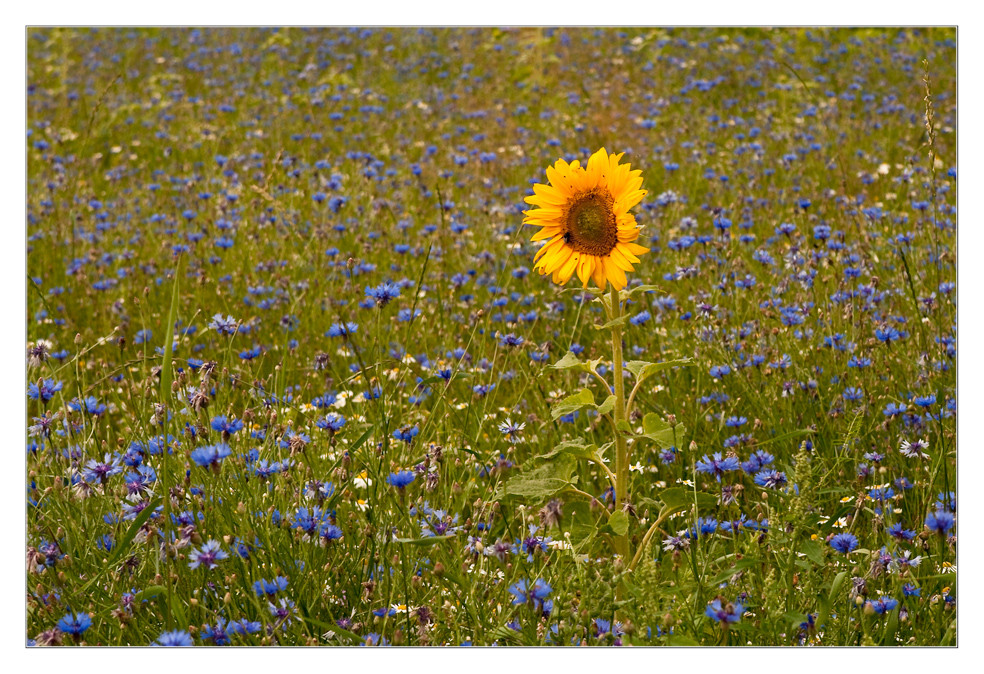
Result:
[
  {"x": 572, "y": 448},
  {"x": 572, "y": 403},
  {"x": 625, "y": 294},
  {"x": 677, "y": 498},
  {"x": 607, "y": 406},
  {"x": 659, "y": 431},
  {"x": 542, "y": 482},
  {"x": 616, "y": 322},
  {"x": 618, "y": 524},
  {"x": 572, "y": 362},
  {"x": 643, "y": 369}
]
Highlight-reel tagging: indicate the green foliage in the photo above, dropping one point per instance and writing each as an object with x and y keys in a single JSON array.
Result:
[{"x": 273, "y": 175}]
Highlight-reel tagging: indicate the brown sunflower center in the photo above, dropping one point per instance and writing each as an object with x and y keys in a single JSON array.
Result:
[{"x": 591, "y": 227}]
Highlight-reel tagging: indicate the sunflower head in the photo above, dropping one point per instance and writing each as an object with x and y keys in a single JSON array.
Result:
[{"x": 584, "y": 216}]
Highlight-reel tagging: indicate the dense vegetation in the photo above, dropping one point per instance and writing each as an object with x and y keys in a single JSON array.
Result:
[{"x": 291, "y": 380}]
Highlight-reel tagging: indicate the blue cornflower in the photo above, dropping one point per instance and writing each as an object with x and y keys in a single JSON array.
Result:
[
  {"x": 95, "y": 471},
  {"x": 244, "y": 626},
  {"x": 264, "y": 470},
  {"x": 511, "y": 340},
  {"x": 342, "y": 329},
  {"x": 910, "y": 590},
  {"x": 757, "y": 461},
  {"x": 925, "y": 401},
  {"x": 329, "y": 533},
  {"x": 44, "y": 390},
  {"x": 883, "y": 605},
  {"x": 853, "y": 394},
  {"x": 640, "y": 318},
  {"x": 75, "y": 624},
  {"x": 211, "y": 455},
  {"x": 888, "y": 335},
  {"x": 892, "y": 410},
  {"x": 224, "y": 326},
  {"x": 226, "y": 426},
  {"x": 401, "y": 480},
  {"x": 384, "y": 293},
  {"x": 331, "y": 422},
  {"x": 91, "y": 405},
  {"x": 482, "y": 390},
  {"x": 217, "y": 634},
  {"x": 947, "y": 501},
  {"x": 898, "y": 532},
  {"x": 174, "y": 638},
  {"x": 407, "y": 433},
  {"x": 844, "y": 542},
  {"x": 718, "y": 465},
  {"x": 535, "y": 595},
  {"x": 513, "y": 431},
  {"x": 309, "y": 521},
  {"x": 724, "y": 613},
  {"x": 704, "y": 527},
  {"x": 208, "y": 555},
  {"x": 719, "y": 371},
  {"x": 265, "y": 587},
  {"x": 940, "y": 521},
  {"x": 773, "y": 479},
  {"x": 859, "y": 362},
  {"x": 282, "y": 612}
]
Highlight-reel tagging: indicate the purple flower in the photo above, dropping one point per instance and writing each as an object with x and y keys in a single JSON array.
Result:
[
  {"x": 724, "y": 613},
  {"x": 175, "y": 638},
  {"x": 208, "y": 555},
  {"x": 844, "y": 542},
  {"x": 718, "y": 465}
]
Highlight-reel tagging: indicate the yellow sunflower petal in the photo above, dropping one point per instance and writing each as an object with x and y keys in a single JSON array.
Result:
[
  {"x": 567, "y": 270},
  {"x": 633, "y": 248},
  {"x": 620, "y": 260},
  {"x": 614, "y": 273},
  {"x": 600, "y": 278},
  {"x": 585, "y": 267},
  {"x": 552, "y": 244},
  {"x": 629, "y": 200},
  {"x": 546, "y": 233}
]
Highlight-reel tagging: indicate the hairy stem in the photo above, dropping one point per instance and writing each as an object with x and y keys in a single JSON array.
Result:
[{"x": 621, "y": 448}]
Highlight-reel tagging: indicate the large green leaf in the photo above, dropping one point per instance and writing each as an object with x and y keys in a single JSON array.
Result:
[
  {"x": 572, "y": 403},
  {"x": 644, "y": 370},
  {"x": 607, "y": 406},
  {"x": 615, "y": 322},
  {"x": 626, "y": 294},
  {"x": 572, "y": 362},
  {"x": 543, "y": 482},
  {"x": 813, "y": 551},
  {"x": 659, "y": 431},
  {"x": 573, "y": 448},
  {"x": 579, "y": 520},
  {"x": 680, "y": 640},
  {"x": 678, "y": 499},
  {"x": 618, "y": 524}
]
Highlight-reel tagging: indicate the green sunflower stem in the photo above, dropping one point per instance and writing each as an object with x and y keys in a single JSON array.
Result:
[{"x": 621, "y": 447}]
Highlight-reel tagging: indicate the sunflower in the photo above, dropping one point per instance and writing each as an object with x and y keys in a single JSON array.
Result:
[{"x": 584, "y": 215}]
